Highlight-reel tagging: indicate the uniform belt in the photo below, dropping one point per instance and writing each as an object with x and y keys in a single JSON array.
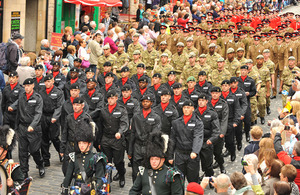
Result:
[{"x": 183, "y": 151}]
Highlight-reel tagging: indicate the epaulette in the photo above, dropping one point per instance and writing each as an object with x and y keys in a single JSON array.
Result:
[
  {"x": 97, "y": 158},
  {"x": 141, "y": 170},
  {"x": 171, "y": 173},
  {"x": 72, "y": 156}
]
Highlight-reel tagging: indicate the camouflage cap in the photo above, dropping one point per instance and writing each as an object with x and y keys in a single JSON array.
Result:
[
  {"x": 163, "y": 43},
  {"x": 190, "y": 39},
  {"x": 260, "y": 57},
  {"x": 230, "y": 50},
  {"x": 136, "y": 35},
  {"x": 221, "y": 59},
  {"x": 180, "y": 44},
  {"x": 249, "y": 61},
  {"x": 266, "y": 51},
  {"x": 136, "y": 52},
  {"x": 212, "y": 45},
  {"x": 192, "y": 54},
  {"x": 149, "y": 41},
  {"x": 202, "y": 55},
  {"x": 106, "y": 46},
  {"x": 240, "y": 49},
  {"x": 121, "y": 44},
  {"x": 292, "y": 58},
  {"x": 164, "y": 55}
]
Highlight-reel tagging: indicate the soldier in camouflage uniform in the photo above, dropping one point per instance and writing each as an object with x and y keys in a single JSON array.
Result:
[
  {"x": 136, "y": 60},
  {"x": 179, "y": 59},
  {"x": 163, "y": 49},
  {"x": 134, "y": 46},
  {"x": 149, "y": 56},
  {"x": 107, "y": 56},
  {"x": 173, "y": 39},
  {"x": 232, "y": 64},
  {"x": 220, "y": 74},
  {"x": 203, "y": 66},
  {"x": 163, "y": 67},
  {"x": 271, "y": 66},
  {"x": 290, "y": 46},
  {"x": 240, "y": 56},
  {"x": 236, "y": 42},
  {"x": 190, "y": 47},
  {"x": 192, "y": 69},
  {"x": 122, "y": 58},
  {"x": 255, "y": 49},
  {"x": 163, "y": 36},
  {"x": 212, "y": 57}
]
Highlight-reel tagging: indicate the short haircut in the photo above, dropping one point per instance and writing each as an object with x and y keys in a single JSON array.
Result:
[
  {"x": 253, "y": 159},
  {"x": 223, "y": 181},
  {"x": 24, "y": 61},
  {"x": 282, "y": 188},
  {"x": 84, "y": 29},
  {"x": 276, "y": 166},
  {"x": 101, "y": 25},
  {"x": 71, "y": 48},
  {"x": 44, "y": 42},
  {"x": 238, "y": 180},
  {"x": 289, "y": 171},
  {"x": 256, "y": 132}
]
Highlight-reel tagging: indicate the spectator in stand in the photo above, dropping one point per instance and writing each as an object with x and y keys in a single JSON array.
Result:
[
  {"x": 101, "y": 31},
  {"x": 252, "y": 158},
  {"x": 83, "y": 53},
  {"x": 272, "y": 177},
  {"x": 288, "y": 173},
  {"x": 13, "y": 52},
  {"x": 121, "y": 38},
  {"x": 256, "y": 134},
  {"x": 46, "y": 46},
  {"x": 86, "y": 22},
  {"x": 142, "y": 39},
  {"x": 32, "y": 57},
  {"x": 93, "y": 27},
  {"x": 269, "y": 156},
  {"x": 24, "y": 70},
  {"x": 106, "y": 21},
  {"x": 183, "y": 19},
  {"x": 58, "y": 55},
  {"x": 128, "y": 39},
  {"x": 264, "y": 144},
  {"x": 96, "y": 50},
  {"x": 282, "y": 188},
  {"x": 176, "y": 6},
  {"x": 71, "y": 55},
  {"x": 139, "y": 12},
  {"x": 221, "y": 183},
  {"x": 77, "y": 37},
  {"x": 109, "y": 40},
  {"x": 66, "y": 40}
]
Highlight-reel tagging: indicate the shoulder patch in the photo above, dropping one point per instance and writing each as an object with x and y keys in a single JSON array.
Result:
[{"x": 72, "y": 156}]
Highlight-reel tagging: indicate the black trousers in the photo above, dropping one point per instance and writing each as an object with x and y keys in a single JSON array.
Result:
[
  {"x": 135, "y": 168},
  {"x": 29, "y": 142},
  {"x": 238, "y": 132},
  {"x": 70, "y": 147},
  {"x": 189, "y": 167},
  {"x": 9, "y": 119},
  {"x": 218, "y": 147},
  {"x": 229, "y": 138},
  {"x": 247, "y": 119},
  {"x": 50, "y": 133},
  {"x": 206, "y": 156},
  {"x": 114, "y": 149}
]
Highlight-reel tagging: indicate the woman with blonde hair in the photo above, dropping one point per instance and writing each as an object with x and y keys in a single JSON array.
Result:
[
  {"x": 128, "y": 39},
  {"x": 264, "y": 144},
  {"x": 66, "y": 40}
]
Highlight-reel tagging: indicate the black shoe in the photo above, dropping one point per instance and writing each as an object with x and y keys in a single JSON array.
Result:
[
  {"x": 122, "y": 181},
  {"x": 42, "y": 171},
  {"x": 47, "y": 163},
  {"x": 222, "y": 169},
  {"x": 226, "y": 153},
  {"x": 255, "y": 122},
  {"x": 247, "y": 137},
  {"x": 215, "y": 165},
  {"x": 116, "y": 177},
  {"x": 273, "y": 97},
  {"x": 262, "y": 120},
  {"x": 239, "y": 146},
  {"x": 279, "y": 92},
  {"x": 233, "y": 157},
  {"x": 268, "y": 110},
  {"x": 129, "y": 164}
]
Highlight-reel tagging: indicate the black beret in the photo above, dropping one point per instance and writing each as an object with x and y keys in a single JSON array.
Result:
[
  {"x": 28, "y": 81},
  {"x": 215, "y": 89},
  {"x": 172, "y": 72},
  {"x": 107, "y": 63},
  {"x": 78, "y": 60},
  {"x": 188, "y": 103},
  {"x": 140, "y": 65},
  {"x": 143, "y": 79},
  {"x": 56, "y": 63},
  {"x": 225, "y": 82},
  {"x": 74, "y": 86},
  {"x": 125, "y": 69},
  {"x": 233, "y": 79},
  {"x": 244, "y": 67},
  {"x": 111, "y": 93},
  {"x": 109, "y": 74},
  {"x": 91, "y": 80},
  {"x": 203, "y": 73},
  {"x": 74, "y": 69},
  {"x": 147, "y": 97},
  {"x": 78, "y": 100},
  {"x": 48, "y": 77},
  {"x": 165, "y": 92},
  {"x": 13, "y": 74},
  {"x": 177, "y": 85},
  {"x": 89, "y": 70},
  {"x": 202, "y": 96},
  {"x": 126, "y": 87},
  {"x": 158, "y": 75},
  {"x": 39, "y": 67}
]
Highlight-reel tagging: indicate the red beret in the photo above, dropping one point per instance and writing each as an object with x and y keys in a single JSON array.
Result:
[{"x": 194, "y": 187}]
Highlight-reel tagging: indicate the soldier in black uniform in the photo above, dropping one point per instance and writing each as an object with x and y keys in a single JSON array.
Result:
[
  {"x": 70, "y": 129},
  {"x": 164, "y": 180},
  {"x": 7, "y": 143},
  {"x": 212, "y": 128},
  {"x": 10, "y": 94},
  {"x": 178, "y": 98},
  {"x": 142, "y": 90},
  {"x": 186, "y": 142},
  {"x": 167, "y": 112},
  {"x": 84, "y": 165},
  {"x": 248, "y": 85},
  {"x": 221, "y": 107},
  {"x": 50, "y": 123},
  {"x": 59, "y": 78},
  {"x": 89, "y": 73},
  {"x": 203, "y": 86},
  {"x": 109, "y": 85},
  {"x": 114, "y": 123},
  {"x": 143, "y": 124},
  {"x": 233, "y": 118},
  {"x": 28, "y": 126},
  {"x": 39, "y": 78},
  {"x": 125, "y": 79},
  {"x": 101, "y": 78},
  {"x": 81, "y": 73},
  {"x": 241, "y": 96},
  {"x": 74, "y": 72},
  {"x": 132, "y": 106},
  {"x": 157, "y": 87},
  {"x": 191, "y": 92},
  {"x": 171, "y": 80},
  {"x": 140, "y": 69}
]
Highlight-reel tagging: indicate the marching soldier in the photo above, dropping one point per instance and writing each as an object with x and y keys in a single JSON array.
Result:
[
  {"x": 122, "y": 58},
  {"x": 190, "y": 47},
  {"x": 134, "y": 46},
  {"x": 240, "y": 56},
  {"x": 39, "y": 78},
  {"x": 171, "y": 80},
  {"x": 163, "y": 67},
  {"x": 50, "y": 123},
  {"x": 107, "y": 56},
  {"x": 28, "y": 125},
  {"x": 203, "y": 86},
  {"x": 173, "y": 39},
  {"x": 231, "y": 63},
  {"x": 140, "y": 72},
  {"x": 114, "y": 123},
  {"x": 144, "y": 123},
  {"x": 89, "y": 73},
  {"x": 163, "y": 49},
  {"x": 150, "y": 55},
  {"x": 178, "y": 98},
  {"x": 143, "y": 89},
  {"x": 125, "y": 79},
  {"x": 211, "y": 133},
  {"x": 81, "y": 73},
  {"x": 191, "y": 92},
  {"x": 109, "y": 85},
  {"x": 203, "y": 65},
  {"x": 163, "y": 36},
  {"x": 271, "y": 66},
  {"x": 212, "y": 57},
  {"x": 221, "y": 108},
  {"x": 219, "y": 74},
  {"x": 255, "y": 49},
  {"x": 74, "y": 72},
  {"x": 191, "y": 69},
  {"x": 236, "y": 42},
  {"x": 101, "y": 77},
  {"x": 179, "y": 59},
  {"x": 59, "y": 78},
  {"x": 186, "y": 152},
  {"x": 132, "y": 65},
  {"x": 157, "y": 87}
]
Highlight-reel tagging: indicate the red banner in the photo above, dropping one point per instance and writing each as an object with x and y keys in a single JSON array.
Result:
[{"x": 56, "y": 41}]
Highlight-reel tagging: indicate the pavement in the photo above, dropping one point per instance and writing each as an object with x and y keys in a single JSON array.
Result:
[{"x": 51, "y": 183}]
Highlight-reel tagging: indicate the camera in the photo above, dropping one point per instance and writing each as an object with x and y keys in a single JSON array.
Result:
[{"x": 244, "y": 163}]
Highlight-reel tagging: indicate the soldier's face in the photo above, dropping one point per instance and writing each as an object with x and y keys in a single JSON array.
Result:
[
  {"x": 211, "y": 49},
  {"x": 126, "y": 94},
  {"x": 89, "y": 75},
  {"x": 215, "y": 95},
  {"x": 39, "y": 73},
  {"x": 49, "y": 83},
  {"x": 189, "y": 43},
  {"x": 165, "y": 98},
  {"x": 77, "y": 64},
  {"x": 177, "y": 91},
  {"x": 74, "y": 75},
  {"x": 13, "y": 80},
  {"x": 74, "y": 93},
  {"x": 55, "y": 68},
  {"x": 171, "y": 77},
  {"x": 244, "y": 72},
  {"x": 202, "y": 102},
  {"x": 164, "y": 59},
  {"x": 156, "y": 80},
  {"x": 188, "y": 110},
  {"x": 143, "y": 85},
  {"x": 192, "y": 60},
  {"x": 240, "y": 54},
  {"x": 291, "y": 63},
  {"x": 135, "y": 39},
  {"x": 120, "y": 49},
  {"x": 84, "y": 146},
  {"x": 156, "y": 162},
  {"x": 202, "y": 60},
  {"x": 29, "y": 88},
  {"x": 220, "y": 65},
  {"x": 202, "y": 78},
  {"x": 107, "y": 68},
  {"x": 149, "y": 45},
  {"x": 106, "y": 52},
  {"x": 125, "y": 74},
  {"x": 162, "y": 31},
  {"x": 260, "y": 61},
  {"x": 179, "y": 49},
  {"x": 191, "y": 84},
  {"x": 230, "y": 56},
  {"x": 225, "y": 87},
  {"x": 163, "y": 46},
  {"x": 140, "y": 70},
  {"x": 146, "y": 104},
  {"x": 234, "y": 85},
  {"x": 136, "y": 56},
  {"x": 109, "y": 80},
  {"x": 78, "y": 107},
  {"x": 112, "y": 100},
  {"x": 91, "y": 85}
]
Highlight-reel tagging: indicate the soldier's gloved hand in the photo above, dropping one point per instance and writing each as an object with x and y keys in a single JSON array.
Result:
[
  {"x": 193, "y": 155},
  {"x": 10, "y": 109},
  {"x": 118, "y": 135},
  {"x": 171, "y": 161},
  {"x": 53, "y": 120},
  {"x": 30, "y": 129}
]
